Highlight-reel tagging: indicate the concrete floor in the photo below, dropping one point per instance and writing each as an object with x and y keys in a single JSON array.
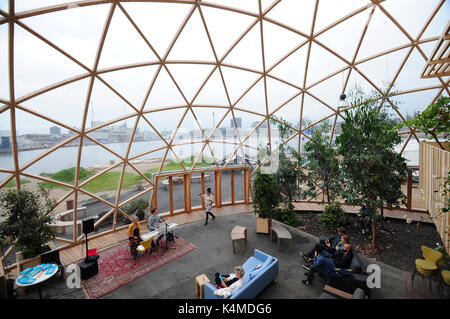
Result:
[{"x": 214, "y": 254}]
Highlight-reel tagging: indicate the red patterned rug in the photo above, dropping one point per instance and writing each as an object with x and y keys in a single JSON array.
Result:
[{"x": 115, "y": 270}]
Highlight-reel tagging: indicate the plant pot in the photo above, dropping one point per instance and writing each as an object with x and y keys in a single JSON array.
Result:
[{"x": 263, "y": 225}]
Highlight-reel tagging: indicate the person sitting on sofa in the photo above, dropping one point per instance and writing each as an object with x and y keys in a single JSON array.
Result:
[
  {"x": 328, "y": 244},
  {"x": 229, "y": 283},
  {"x": 344, "y": 258},
  {"x": 322, "y": 263},
  {"x": 334, "y": 250}
]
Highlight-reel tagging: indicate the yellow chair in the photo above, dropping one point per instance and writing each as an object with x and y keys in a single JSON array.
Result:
[
  {"x": 428, "y": 266},
  {"x": 145, "y": 245}
]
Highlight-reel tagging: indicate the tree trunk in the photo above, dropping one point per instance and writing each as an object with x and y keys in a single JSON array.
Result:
[
  {"x": 382, "y": 216},
  {"x": 328, "y": 194}
]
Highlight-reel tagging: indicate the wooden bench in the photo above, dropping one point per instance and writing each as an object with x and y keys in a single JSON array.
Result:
[
  {"x": 282, "y": 233},
  {"x": 239, "y": 233}
]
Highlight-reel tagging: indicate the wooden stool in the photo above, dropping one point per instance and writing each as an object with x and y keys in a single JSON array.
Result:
[
  {"x": 238, "y": 233},
  {"x": 200, "y": 282},
  {"x": 282, "y": 233}
]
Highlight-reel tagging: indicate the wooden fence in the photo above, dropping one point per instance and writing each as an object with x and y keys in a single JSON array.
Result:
[{"x": 434, "y": 166}]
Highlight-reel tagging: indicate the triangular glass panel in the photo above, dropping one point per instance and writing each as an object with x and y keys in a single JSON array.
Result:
[
  {"x": 409, "y": 77},
  {"x": 415, "y": 20},
  {"x": 213, "y": 93},
  {"x": 36, "y": 135},
  {"x": 64, "y": 104},
  {"x": 295, "y": 14},
  {"x": 292, "y": 69},
  {"x": 344, "y": 37},
  {"x": 189, "y": 84},
  {"x": 248, "y": 121},
  {"x": 373, "y": 43},
  {"x": 321, "y": 64},
  {"x": 314, "y": 110},
  {"x": 382, "y": 70},
  {"x": 146, "y": 139},
  {"x": 428, "y": 48},
  {"x": 132, "y": 83},
  {"x": 247, "y": 53},
  {"x": 35, "y": 67},
  {"x": 330, "y": 11},
  {"x": 224, "y": 27},
  {"x": 208, "y": 118},
  {"x": 278, "y": 42},
  {"x": 412, "y": 103},
  {"x": 172, "y": 162},
  {"x": 96, "y": 158},
  {"x": 278, "y": 93},
  {"x": 356, "y": 80},
  {"x": 115, "y": 136},
  {"x": 186, "y": 130},
  {"x": 153, "y": 17},
  {"x": 192, "y": 44},
  {"x": 106, "y": 106},
  {"x": 436, "y": 27},
  {"x": 164, "y": 93},
  {"x": 4, "y": 65},
  {"x": 166, "y": 122},
  {"x": 290, "y": 112},
  {"x": 237, "y": 81},
  {"x": 70, "y": 35},
  {"x": 330, "y": 90},
  {"x": 123, "y": 44},
  {"x": 254, "y": 100},
  {"x": 60, "y": 166}
]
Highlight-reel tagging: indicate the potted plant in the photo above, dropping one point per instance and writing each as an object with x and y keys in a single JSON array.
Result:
[
  {"x": 27, "y": 223},
  {"x": 266, "y": 198}
]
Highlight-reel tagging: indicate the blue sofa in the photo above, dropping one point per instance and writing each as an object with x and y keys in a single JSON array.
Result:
[{"x": 255, "y": 280}]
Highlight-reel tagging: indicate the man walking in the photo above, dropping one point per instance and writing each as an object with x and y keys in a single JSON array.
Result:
[{"x": 209, "y": 199}]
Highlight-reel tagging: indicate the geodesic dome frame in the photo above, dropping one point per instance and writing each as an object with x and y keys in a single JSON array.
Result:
[{"x": 293, "y": 90}]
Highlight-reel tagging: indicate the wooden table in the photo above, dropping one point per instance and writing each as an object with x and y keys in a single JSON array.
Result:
[
  {"x": 282, "y": 233},
  {"x": 238, "y": 233},
  {"x": 200, "y": 282}
]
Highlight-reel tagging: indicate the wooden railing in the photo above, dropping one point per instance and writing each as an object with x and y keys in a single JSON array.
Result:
[{"x": 434, "y": 166}]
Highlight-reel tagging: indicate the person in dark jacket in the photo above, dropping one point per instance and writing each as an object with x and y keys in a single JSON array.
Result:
[
  {"x": 344, "y": 258},
  {"x": 322, "y": 263},
  {"x": 330, "y": 242}
]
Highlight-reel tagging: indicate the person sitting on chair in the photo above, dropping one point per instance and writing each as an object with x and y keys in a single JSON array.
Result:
[
  {"x": 223, "y": 281},
  {"x": 322, "y": 264},
  {"x": 344, "y": 258},
  {"x": 134, "y": 235},
  {"x": 153, "y": 223}
]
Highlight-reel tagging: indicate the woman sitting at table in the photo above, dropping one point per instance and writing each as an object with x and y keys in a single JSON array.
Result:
[{"x": 134, "y": 235}]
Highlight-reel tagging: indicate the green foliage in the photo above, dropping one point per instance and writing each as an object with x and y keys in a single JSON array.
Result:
[
  {"x": 333, "y": 216},
  {"x": 27, "y": 220},
  {"x": 287, "y": 215},
  {"x": 135, "y": 206},
  {"x": 434, "y": 120},
  {"x": 289, "y": 174},
  {"x": 12, "y": 183},
  {"x": 323, "y": 162},
  {"x": 66, "y": 176},
  {"x": 372, "y": 170},
  {"x": 266, "y": 195}
]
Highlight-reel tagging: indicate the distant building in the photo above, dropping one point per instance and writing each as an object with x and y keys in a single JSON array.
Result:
[
  {"x": 5, "y": 141},
  {"x": 55, "y": 130},
  {"x": 238, "y": 122}
]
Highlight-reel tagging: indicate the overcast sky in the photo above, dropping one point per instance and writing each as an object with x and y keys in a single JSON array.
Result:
[{"x": 78, "y": 30}]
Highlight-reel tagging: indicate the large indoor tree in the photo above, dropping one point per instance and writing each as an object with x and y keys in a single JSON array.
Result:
[
  {"x": 323, "y": 164},
  {"x": 372, "y": 170}
]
